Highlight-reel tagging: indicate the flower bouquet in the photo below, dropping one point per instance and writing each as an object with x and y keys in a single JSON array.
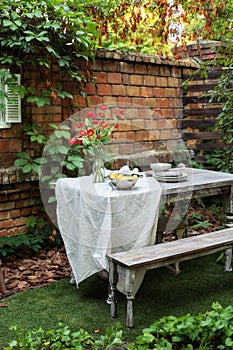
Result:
[{"x": 94, "y": 131}]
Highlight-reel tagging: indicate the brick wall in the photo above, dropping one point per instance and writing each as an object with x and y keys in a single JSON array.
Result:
[{"x": 151, "y": 84}]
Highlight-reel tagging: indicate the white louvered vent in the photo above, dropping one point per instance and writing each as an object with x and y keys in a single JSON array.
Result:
[
  {"x": 13, "y": 104},
  {"x": 10, "y": 108}
]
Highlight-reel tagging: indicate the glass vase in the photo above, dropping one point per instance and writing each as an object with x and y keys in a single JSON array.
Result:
[{"x": 98, "y": 164}]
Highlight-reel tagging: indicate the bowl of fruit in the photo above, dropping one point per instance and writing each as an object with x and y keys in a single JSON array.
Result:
[{"x": 123, "y": 181}]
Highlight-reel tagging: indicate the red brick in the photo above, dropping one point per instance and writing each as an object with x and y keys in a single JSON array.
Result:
[
  {"x": 24, "y": 203},
  {"x": 165, "y": 134},
  {"x": 114, "y": 78},
  {"x": 123, "y": 99},
  {"x": 153, "y": 70},
  {"x": 15, "y": 145},
  {"x": 138, "y": 101},
  {"x": 5, "y": 224},
  {"x": 26, "y": 211},
  {"x": 15, "y": 213},
  {"x": 127, "y": 67},
  {"x": 4, "y": 215},
  {"x": 118, "y": 90},
  {"x": 101, "y": 77},
  {"x": 4, "y": 145},
  {"x": 162, "y": 81},
  {"x": 151, "y": 102},
  {"x": 164, "y": 71},
  {"x": 90, "y": 89},
  {"x": 109, "y": 99},
  {"x": 140, "y": 68},
  {"x": 79, "y": 101},
  {"x": 163, "y": 103},
  {"x": 95, "y": 100},
  {"x": 7, "y": 206},
  {"x": 104, "y": 89},
  {"x": 147, "y": 92},
  {"x": 149, "y": 80},
  {"x": 125, "y": 79},
  {"x": 142, "y": 135},
  {"x": 133, "y": 91},
  {"x": 159, "y": 92},
  {"x": 136, "y": 79},
  {"x": 20, "y": 221}
]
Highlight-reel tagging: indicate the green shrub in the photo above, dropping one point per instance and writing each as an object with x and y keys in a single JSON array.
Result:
[
  {"x": 63, "y": 339},
  {"x": 40, "y": 234},
  {"x": 210, "y": 330}
]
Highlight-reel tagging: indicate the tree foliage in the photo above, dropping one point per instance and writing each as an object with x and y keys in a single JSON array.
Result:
[{"x": 41, "y": 33}]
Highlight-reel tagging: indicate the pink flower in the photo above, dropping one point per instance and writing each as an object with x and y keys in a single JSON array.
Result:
[
  {"x": 95, "y": 121},
  {"x": 72, "y": 141},
  {"x": 91, "y": 115},
  {"x": 122, "y": 111},
  {"x": 103, "y": 108},
  {"x": 79, "y": 125}
]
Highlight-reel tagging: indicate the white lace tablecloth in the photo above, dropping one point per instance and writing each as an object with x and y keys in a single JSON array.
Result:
[{"x": 95, "y": 220}]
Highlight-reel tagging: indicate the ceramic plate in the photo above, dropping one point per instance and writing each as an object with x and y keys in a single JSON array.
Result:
[{"x": 166, "y": 178}]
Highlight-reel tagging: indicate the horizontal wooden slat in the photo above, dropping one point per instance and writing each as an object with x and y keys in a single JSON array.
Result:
[
  {"x": 205, "y": 135},
  {"x": 215, "y": 74},
  {"x": 209, "y": 146},
  {"x": 199, "y": 88},
  {"x": 208, "y": 112},
  {"x": 199, "y": 99},
  {"x": 196, "y": 123}
]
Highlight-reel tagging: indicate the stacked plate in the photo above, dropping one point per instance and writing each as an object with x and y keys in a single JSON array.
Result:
[{"x": 170, "y": 176}]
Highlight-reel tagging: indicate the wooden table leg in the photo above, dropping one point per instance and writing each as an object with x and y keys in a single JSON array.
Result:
[{"x": 112, "y": 287}]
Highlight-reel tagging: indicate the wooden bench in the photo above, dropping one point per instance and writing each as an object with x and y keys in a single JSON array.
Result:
[{"x": 163, "y": 254}]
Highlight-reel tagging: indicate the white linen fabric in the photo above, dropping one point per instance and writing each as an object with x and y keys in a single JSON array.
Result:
[{"x": 95, "y": 220}]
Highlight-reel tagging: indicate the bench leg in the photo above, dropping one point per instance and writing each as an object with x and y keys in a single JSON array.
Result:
[
  {"x": 228, "y": 255},
  {"x": 112, "y": 287},
  {"x": 130, "y": 282}
]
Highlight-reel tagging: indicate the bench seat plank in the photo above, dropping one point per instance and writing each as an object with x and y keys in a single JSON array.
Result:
[{"x": 175, "y": 249}]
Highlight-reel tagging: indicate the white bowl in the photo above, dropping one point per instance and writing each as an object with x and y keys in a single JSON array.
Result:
[
  {"x": 157, "y": 167},
  {"x": 126, "y": 182}
]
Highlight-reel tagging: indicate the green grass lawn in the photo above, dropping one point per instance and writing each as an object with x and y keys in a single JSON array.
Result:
[{"x": 201, "y": 283}]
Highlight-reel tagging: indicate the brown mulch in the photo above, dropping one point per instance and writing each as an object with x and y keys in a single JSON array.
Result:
[{"x": 30, "y": 271}]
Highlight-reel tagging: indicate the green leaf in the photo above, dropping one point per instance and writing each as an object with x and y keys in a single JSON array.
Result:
[
  {"x": 23, "y": 155},
  {"x": 20, "y": 162}
]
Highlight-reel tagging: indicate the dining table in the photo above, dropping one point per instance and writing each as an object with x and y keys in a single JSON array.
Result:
[{"x": 96, "y": 220}]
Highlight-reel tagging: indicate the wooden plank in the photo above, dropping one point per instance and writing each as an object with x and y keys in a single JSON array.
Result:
[
  {"x": 199, "y": 99},
  {"x": 199, "y": 88},
  {"x": 209, "y": 146},
  {"x": 202, "y": 135},
  {"x": 214, "y": 74},
  {"x": 208, "y": 112},
  {"x": 175, "y": 249},
  {"x": 196, "y": 123}
]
